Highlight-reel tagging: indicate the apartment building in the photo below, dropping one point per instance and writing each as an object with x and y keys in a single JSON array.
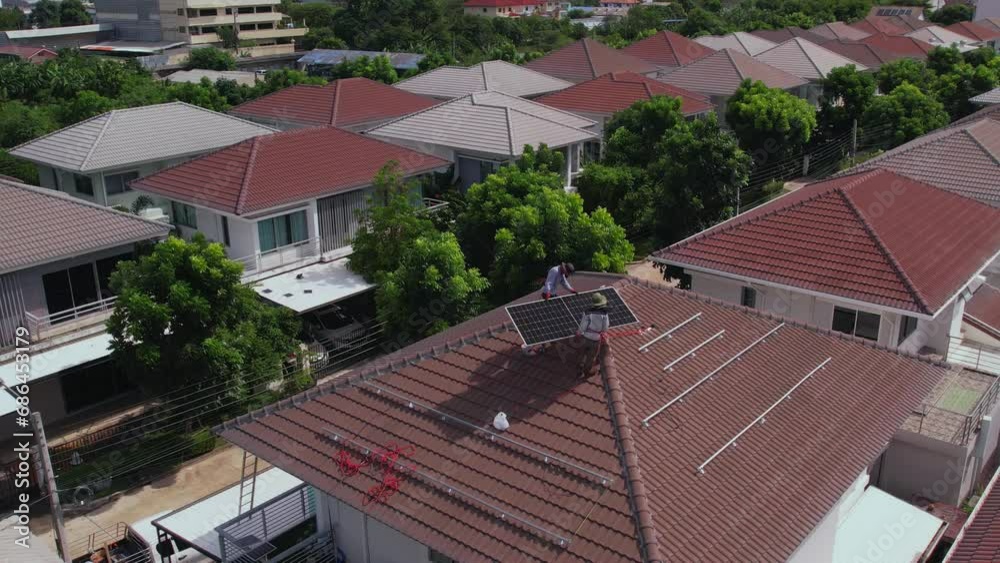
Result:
[
  {"x": 54, "y": 286},
  {"x": 198, "y": 22}
]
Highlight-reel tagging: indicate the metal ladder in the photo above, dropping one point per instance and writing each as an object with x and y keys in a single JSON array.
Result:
[{"x": 248, "y": 482}]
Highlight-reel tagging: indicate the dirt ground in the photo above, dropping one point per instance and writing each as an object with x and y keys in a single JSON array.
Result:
[
  {"x": 197, "y": 479},
  {"x": 645, "y": 271}
]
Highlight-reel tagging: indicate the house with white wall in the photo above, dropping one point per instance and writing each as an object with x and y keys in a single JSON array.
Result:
[
  {"x": 873, "y": 254},
  {"x": 285, "y": 202},
  {"x": 96, "y": 159},
  {"x": 55, "y": 297},
  {"x": 401, "y": 462},
  {"x": 482, "y": 131}
]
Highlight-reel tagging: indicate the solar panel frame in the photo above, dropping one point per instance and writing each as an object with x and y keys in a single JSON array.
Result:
[{"x": 546, "y": 318}]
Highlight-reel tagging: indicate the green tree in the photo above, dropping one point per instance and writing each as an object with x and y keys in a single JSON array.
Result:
[
  {"x": 908, "y": 112},
  {"x": 283, "y": 78},
  {"x": 892, "y": 74},
  {"x": 377, "y": 68},
  {"x": 45, "y": 13},
  {"x": 72, "y": 12},
  {"x": 20, "y": 123},
  {"x": 523, "y": 221},
  {"x": 952, "y": 13},
  {"x": 17, "y": 168},
  {"x": 942, "y": 60},
  {"x": 389, "y": 225},
  {"x": 183, "y": 316},
  {"x": 702, "y": 22},
  {"x": 11, "y": 18},
  {"x": 846, "y": 95},
  {"x": 210, "y": 58},
  {"x": 963, "y": 81},
  {"x": 769, "y": 121},
  {"x": 85, "y": 105},
  {"x": 430, "y": 289},
  {"x": 631, "y": 134},
  {"x": 228, "y": 36},
  {"x": 434, "y": 59},
  {"x": 203, "y": 95},
  {"x": 981, "y": 56},
  {"x": 322, "y": 38},
  {"x": 315, "y": 15}
]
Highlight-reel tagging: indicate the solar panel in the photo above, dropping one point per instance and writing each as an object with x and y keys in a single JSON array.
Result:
[{"x": 540, "y": 322}]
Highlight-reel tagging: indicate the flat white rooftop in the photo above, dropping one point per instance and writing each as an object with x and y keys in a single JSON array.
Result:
[
  {"x": 196, "y": 522},
  {"x": 313, "y": 286},
  {"x": 53, "y": 360},
  {"x": 883, "y": 528}
]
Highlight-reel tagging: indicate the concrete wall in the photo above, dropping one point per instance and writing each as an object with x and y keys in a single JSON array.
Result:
[
  {"x": 134, "y": 20},
  {"x": 364, "y": 539},
  {"x": 818, "y": 546},
  {"x": 63, "y": 180},
  {"x": 916, "y": 466}
]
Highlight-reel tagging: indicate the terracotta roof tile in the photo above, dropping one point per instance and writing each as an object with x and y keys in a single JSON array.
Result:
[
  {"x": 990, "y": 22},
  {"x": 721, "y": 73},
  {"x": 872, "y": 56},
  {"x": 49, "y": 225},
  {"x": 668, "y": 49},
  {"x": 806, "y": 59},
  {"x": 763, "y": 497},
  {"x": 791, "y": 32},
  {"x": 873, "y": 236},
  {"x": 979, "y": 541},
  {"x": 975, "y": 31},
  {"x": 906, "y": 46},
  {"x": 877, "y": 26},
  {"x": 345, "y": 103},
  {"x": 963, "y": 158},
  {"x": 839, "y": 30},
  {"x": 283, "y": 168},
  {"x": 617, "y": 91},
  {"x": 587, "y": 59},
  {"x": 984, "y": 309}
]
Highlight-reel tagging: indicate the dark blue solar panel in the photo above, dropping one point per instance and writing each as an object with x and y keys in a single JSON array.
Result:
[{"x": 539, "y": 322}]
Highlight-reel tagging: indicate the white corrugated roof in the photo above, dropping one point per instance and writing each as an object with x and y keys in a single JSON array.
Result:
[
  {"x": 457, "y": 81},
  {"x": 488, "y": 122},
  {"x": 131, "y": 136},
  {"x": 195, "y": 75}
]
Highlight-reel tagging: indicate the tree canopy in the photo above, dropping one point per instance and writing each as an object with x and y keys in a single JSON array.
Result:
[
  {"x": 378, "y": 68},
  {"x": 952, "y": 13},
  {"x": 769, "y": 122},
  {"x": 183, "y": 316},
  {"x": 211, "y": 58},
  {"x": 907, "y": 112},
  {"x": 847, "y": 93}
]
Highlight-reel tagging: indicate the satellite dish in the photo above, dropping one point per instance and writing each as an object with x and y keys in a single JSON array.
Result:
[{"x": 500, "y": 421}]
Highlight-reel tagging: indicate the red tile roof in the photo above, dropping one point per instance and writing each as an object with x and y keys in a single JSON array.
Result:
[
  {"x": 877, "y": 26},
  {"x": 874, "y": 236},
  {"x": 791, "y": 32},
  {"x": 499, "y": 3},
  {"x": 618, "y": 90},
  {"x": 348, "y": 102},
  {"x": 587, "y": 59},
  {"x": 667, "y": 49},
  {"x": 979, "y": 541},
  {"x": 975, "y": 31},
  {"x": 904, "y": 46},
  {"x": 962, "y": 158},
  {"x": 49, "y": 225},
  {"x": 28, "y": 53},
  {"x": 872, "y": 56},
  {"x": 983, "y": 310},
  {"x": 722, "y": 72},
  {"x": 988, "y": 112},
  {"x": 763, "y": 497},
  {"x": 287, "y": 167}
]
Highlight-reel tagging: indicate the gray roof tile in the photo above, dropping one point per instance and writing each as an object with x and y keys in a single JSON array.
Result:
[
  {"x": 805, "y": 59},
  {"x": 49, "y": 225},
  {"x": 457, "y": 81},
  {"x": 144, "y": 134}
]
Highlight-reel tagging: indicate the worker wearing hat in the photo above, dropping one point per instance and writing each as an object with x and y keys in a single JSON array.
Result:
[
  {"x": 558, "y": 275},
  {"x": 593, "y": 327}
]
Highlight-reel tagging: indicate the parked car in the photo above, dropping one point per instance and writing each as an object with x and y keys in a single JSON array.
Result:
[{"x": 334, "y": 328}]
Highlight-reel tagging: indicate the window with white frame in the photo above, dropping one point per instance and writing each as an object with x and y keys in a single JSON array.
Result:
[
  {"x": 118, "y": 183},
  {"x": 282, "y": 231},
  {"x": 857, "y": 323},
  {"x": 184, "y": 215}
]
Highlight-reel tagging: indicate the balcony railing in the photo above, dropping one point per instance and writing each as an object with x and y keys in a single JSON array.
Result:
[
  {"x": 247, "y": 537},
  {"x": 295, "y": 254},
  {"x": 70, "y": 320},
  {"x": 975, "y": 355}
]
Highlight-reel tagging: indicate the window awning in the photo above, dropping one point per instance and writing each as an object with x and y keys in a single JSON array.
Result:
[
  {"x": 54, "y": 360},
  {"x": 313, "y": 286},
  {"x": 883, "y": 528}
]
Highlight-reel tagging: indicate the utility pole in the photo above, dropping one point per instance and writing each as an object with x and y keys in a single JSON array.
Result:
[
  {"x": 62, "y": 542},
  {"x": 854, "y": 138}
]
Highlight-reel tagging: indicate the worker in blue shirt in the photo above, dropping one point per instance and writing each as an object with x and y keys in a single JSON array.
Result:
[{"x": 558, "y": 275}]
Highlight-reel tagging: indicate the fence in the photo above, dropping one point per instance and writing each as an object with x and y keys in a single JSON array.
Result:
[
  {"x": 974, "y": 355},
  {"x": 247, "y": 537},
  {"x": 125, "y": 547}
]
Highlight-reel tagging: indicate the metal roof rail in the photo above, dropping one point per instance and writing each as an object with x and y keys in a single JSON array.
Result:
[{"x": 668, "y": 333}]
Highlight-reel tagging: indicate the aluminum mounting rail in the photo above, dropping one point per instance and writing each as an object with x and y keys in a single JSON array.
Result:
[
  {"x": 502, "y": 513},
  {"x": 645, "y": 421},
  {"x": 762, "y": 418},
  {"x": 546, "y": 457},
  {"x": 692, "y": 351},
  {"x": 667, "y": 334}
]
